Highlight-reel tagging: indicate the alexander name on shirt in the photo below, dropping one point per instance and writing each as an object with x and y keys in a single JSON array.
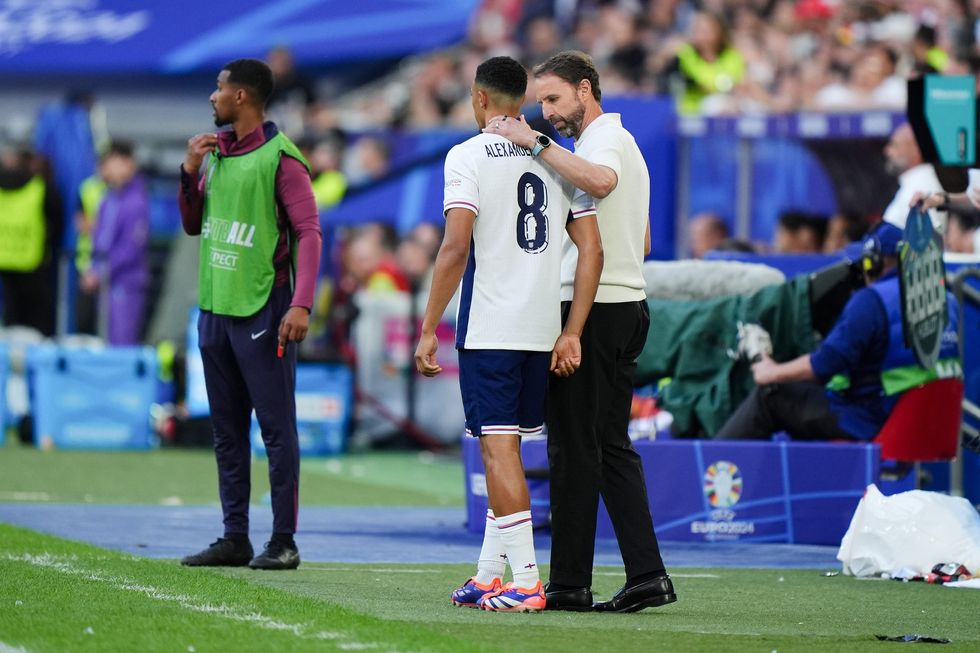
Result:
[{"x": 506, "y": 148}]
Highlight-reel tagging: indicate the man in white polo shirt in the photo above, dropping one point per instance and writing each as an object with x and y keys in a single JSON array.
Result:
[
  {"x": 589, "y": 450},
  {"x": 506, "y": 213}
]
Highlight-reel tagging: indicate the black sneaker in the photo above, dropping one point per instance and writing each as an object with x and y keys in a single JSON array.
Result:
[
  {"x": 222, "y": 553},
  {"x": 277, "y": 555}
]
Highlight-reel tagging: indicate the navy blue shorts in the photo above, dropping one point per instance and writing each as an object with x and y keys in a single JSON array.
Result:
[{"x": 503, "y": 390}]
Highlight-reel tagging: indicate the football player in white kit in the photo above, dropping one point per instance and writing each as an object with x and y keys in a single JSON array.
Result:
[{"x": 505, "y": 213}]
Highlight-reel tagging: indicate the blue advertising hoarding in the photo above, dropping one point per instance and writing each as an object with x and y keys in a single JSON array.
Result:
[
  {"x": 120, "y": 36},
  {"x": 706, "y": 491}
]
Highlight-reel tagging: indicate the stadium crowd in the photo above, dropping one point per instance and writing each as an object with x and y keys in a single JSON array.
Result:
[{"x": 713, "y": 57}]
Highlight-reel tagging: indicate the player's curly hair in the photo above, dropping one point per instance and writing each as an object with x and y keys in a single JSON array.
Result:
[
  {"x": 571, "y": 66},
  {"x": 252, "y": 74},
  {"x": 503, "y": 75}
]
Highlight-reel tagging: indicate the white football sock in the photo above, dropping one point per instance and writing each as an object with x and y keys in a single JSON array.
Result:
[
  {"x": 518, "y": 543},
  {"x": 493, "y": 560}
]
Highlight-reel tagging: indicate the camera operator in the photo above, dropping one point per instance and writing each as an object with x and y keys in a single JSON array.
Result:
[{"x": 847, "y": 387}]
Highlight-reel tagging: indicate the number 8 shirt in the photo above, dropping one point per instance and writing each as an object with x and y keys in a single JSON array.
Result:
[{"x": 510, "y": 297}]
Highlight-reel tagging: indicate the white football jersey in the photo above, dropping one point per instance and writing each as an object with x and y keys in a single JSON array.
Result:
[{"x": 510, "y": 297}]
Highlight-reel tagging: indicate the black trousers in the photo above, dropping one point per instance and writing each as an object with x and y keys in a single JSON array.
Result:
[
  {"x": 241, "y": 372},
  {"x": 29, "y": 298},
  {"x": 800, "y": 408},
  {"x": 590, "y": 453}
]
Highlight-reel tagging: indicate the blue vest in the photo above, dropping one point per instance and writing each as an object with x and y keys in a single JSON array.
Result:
[
  {"x": 863, "y": 402},
  {"x": 900, "y": 371}
]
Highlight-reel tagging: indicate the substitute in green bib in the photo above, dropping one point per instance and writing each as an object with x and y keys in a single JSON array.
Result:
[{"x": 246, "y": 192}]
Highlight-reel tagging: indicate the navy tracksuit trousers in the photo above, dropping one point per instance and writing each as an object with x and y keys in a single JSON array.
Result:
[{"x": 242, "y": 372}]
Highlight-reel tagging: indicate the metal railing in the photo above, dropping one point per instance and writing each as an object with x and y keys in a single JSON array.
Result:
[{"x": 968, "y": 433}]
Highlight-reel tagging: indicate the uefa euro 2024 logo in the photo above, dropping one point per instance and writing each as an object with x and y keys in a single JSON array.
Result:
[{"x": 722, "y": 484}]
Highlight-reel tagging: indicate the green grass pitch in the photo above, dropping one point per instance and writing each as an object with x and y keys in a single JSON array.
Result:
[{"x": 58, "y": 595}]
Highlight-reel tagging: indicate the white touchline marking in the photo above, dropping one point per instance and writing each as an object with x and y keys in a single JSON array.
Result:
[
  {"x": 411, "y": 570},
  {"x": 7, "y": 495},
  {"x": 373, "y": 570},
  {"x": 7, "y": 648},
  {"x": 63, "y": 564},
  {"x": 671, "y": 574}
]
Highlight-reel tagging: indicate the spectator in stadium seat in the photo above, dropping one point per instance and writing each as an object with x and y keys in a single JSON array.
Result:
[
  {"x": 509, "y": 331},
  {"x": 324, "y": 157},
  {"x": 707, "y": 65},
  {"x": 370, "y": 260},
  {"x": 705, "y": 232},
  {"x": 903, "y": 159},
  {"x": 962, "y": 234},
  {"x": 542, "y": 38},
  {"x": 367, "y": 160},
  {"x": 417, "y": 252},
  {"x": 847, "y": 387},
  {"x": 253, "y": 304},
  {"x": 871, "y": 84},
  {"x": 843, "y": 228},
  {"x": 589, "y": 450},
  {"x": 429, "y": 236},
  {"x": 798, "y": 232},
  {"x": 120, "y": 245},
  {"x": 294, "y": 99},
  {"x": 928, "y": 56}
]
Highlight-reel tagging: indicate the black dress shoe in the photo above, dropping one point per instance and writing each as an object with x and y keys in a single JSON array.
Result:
[
  {"x": 276, "y": 556},
  {"x": 572, "y": 599},
  {"x": 650, "y": 594},
  {"x": 222, "y": 553}
]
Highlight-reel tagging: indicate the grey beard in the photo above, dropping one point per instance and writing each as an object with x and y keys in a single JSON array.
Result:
[
  {"x": 568, "y": 131},
  {"x": 894, "y": 168}
]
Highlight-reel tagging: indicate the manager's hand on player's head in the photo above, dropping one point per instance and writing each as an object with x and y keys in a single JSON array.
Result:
[{"x": 516, "y": 131}]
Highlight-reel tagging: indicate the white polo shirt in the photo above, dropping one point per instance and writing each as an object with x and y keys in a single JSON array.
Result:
[
  {"x": 623, "y": 214},
  {"x": 921, "y": 178},
  {"x": 511, "y": 286}
]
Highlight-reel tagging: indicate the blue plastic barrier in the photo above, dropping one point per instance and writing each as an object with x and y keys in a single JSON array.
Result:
[
  {"x": 970, "y": 321},
  {"x": 92, "y": 398},
  {"x": 324, "y": 403},
  {"x": 705, "y": 491},
  {"x": 534, "y": 453}
]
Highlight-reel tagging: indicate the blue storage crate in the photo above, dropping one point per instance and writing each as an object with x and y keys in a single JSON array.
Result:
[
  {"x": 92, "y": 398},
  {"x": 195, "y": 389},
  {"x": 324, "y": 402}
]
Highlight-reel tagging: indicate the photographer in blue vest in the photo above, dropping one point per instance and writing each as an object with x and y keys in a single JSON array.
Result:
[{"x": 848, "y": 386}]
